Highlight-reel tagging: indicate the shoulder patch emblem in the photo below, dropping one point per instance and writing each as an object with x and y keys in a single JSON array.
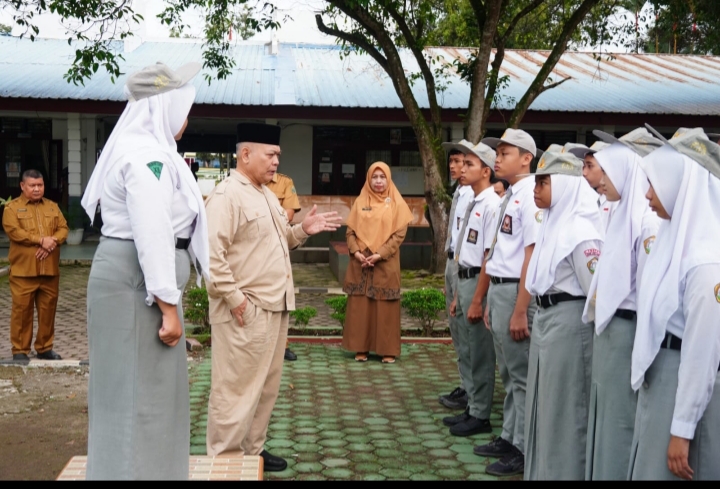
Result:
[
  {"x": 717, "y": 292},
  {"x": 648, "y": 243},
  {"x": 592, "y": 252},
  {"x": 539, "y": 216},
  {"x": 592, "y": 264},
  {"x": 155, "y": 167},
  {"x": 295, "y": 191}
]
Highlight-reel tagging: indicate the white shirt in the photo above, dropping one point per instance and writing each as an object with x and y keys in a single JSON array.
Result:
[
  {"x": 518, "y": 229},
  {"x": 574, "y": 273},
  {"x": 137, "y": 205},
  {"x": 478, "y": 235},
  {"x": 606, "y": 209},
  {"x": 697, "y": 323},
  {"x": 641, "y": 251},
  {"x": 465, "y": 195}
]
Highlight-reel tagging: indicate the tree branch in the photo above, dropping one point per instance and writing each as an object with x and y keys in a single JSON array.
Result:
[
  {"x": 514, "y": 22},
  {"x": 553, "y": 85},
  {"x": 538, "y": 85},
  {"x": 352, "y": 38}
]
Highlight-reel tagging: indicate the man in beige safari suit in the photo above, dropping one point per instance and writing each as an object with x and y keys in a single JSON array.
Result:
[{"x": 251, "y": 291}]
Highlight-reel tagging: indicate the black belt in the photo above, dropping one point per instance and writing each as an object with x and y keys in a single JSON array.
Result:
[
  {"x": 182, "y": 243},
  {"x": 468, "y": 272},
  {"x": 672, "y": 342},
  {"x": 626, "y": 314},
  {"x": 550, "y": 300},
  {"x": 501, "y": 280},
  {"x": 451, "y": 255}
]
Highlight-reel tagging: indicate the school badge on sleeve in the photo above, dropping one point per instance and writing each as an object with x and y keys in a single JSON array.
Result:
[
  {"x": 647, "y": 244},
  {"x": 717, "y": 292},
  {"x": 155, "y": 167},
  {"x": 539, "y": 216},
  {"x": 592, "y": 264}
]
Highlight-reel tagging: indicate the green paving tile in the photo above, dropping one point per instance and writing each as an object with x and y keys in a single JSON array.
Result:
[
  {"x": 385, "y": 443},
  {"x": 414, "y": 440},
  {"x": 285, "y": 474},
  {"x": 374, "y": 477},
  {"x": 468, "y": 458},
  {"x": 376, "y": 421},
  {"x": 198, "y": 450},
  {"x": 307, "y": 447},
  {"x": 475, "y": 468},
  {"x": 425, "y": 477},
  {"x": 360, "y": 447},
  {"x": 446, "y": 462},
  {"x": 435, "y": 444},
  {"x": 354, "y": 431},
  {"x": 370, "y": 467},
  {"x": 441, "y": 452},
  {"x": 308, "y": 467},
  {"x": 279, "y": 443},
  {"x": 338, "y": 473},
  {"x": 452, "y": 473},
  {"x": 333, "y": 443},
  {"x": 306, "y": 430},
  {"x": 309, "y": 457},
  {"x": 365, "y": 456},
  {"x": 395, "y": 473},
  {"x": 306, "y": 438},
  {"x": 358, "y": 438},
  {"x": 335, "y": 462}
]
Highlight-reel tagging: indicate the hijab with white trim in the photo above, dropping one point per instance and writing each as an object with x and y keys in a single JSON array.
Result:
[
  {"x": 572, "y": 218},
  {"x": 613, "y": 277},
  {"x": 691, "y": 196},
  {"x": 146, "y": 130}
]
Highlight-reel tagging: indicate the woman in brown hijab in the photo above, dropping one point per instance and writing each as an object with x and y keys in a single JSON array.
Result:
[{"x": 376, "y": 228}]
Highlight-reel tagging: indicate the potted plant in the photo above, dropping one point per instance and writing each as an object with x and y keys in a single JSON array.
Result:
[{"x": 76, "y": 220}]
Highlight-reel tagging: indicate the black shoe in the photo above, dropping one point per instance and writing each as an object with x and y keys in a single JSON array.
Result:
[
  {"x": 49, "y": 355},
  {"x": 471, "y": 426},
  {"x": 499, "y": 447},
  {"x": 453, "y": 420},
  {"x": 289, "y": 355},
  {"x": 457, "y": 399},
  {"x": 20, "y": 357},
  {"x": 511, "y": 464},
  {"x": 271, "y": 463}
]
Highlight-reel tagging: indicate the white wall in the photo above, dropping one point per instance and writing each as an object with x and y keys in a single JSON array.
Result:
[
  {"x": 296, "y": 142},
  {"x": 88, "y": 131}
]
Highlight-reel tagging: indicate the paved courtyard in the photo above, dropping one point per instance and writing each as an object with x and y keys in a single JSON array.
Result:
[
  {"x": 71, "y": 317},
  {"x": 339, "y": 419}
]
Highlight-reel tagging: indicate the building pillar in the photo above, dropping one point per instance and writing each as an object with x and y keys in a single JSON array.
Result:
[
  {"x": 74, "y": 155},
  {"x": 457, "y": 132}
]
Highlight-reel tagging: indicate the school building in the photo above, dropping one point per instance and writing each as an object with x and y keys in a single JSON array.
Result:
[{"x": 338, "y": 114}]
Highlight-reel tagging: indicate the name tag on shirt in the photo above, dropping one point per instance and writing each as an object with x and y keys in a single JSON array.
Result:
[
  {"x": 472, "y": 236},
  {"x": 459, "y": 220},
  {"x": 507, "y": 225}
]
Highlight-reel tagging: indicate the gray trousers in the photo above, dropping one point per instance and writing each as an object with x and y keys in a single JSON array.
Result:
[
  {"x": 656, "y": 404},
  {"x": 138, "y": 397},
  {"x": 480, "y": 353},
  {"x": 512, "y": 359},
  {"x": 459, "y": 342},
  {"x": 613, "y": 403},
  {"x": 558, "y": 393}
]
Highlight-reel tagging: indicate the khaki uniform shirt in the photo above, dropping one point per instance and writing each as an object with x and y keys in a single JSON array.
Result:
[
  {"x": 26, "y": 223},
  {"x": 250, "y": 243},
  {"x": 284, "y": 189}
]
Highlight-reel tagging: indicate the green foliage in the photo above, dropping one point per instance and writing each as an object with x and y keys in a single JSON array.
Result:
[
  {"x": 423, "y": 305},
  {"x": 339, "y": 305},
  {"x": 5, "y": 30},
  {"x": 303, "y": 316},
  {"x": 682, "y": 27},
  {"x": 4, "y": 202},
  {"x": 197, "y": 308}
]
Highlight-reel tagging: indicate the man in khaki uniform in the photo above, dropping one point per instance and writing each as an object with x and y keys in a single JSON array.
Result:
[
  {"x": 251, "y": 291},
  {"x": 284, "y": 189},
  {"x": 36, "y": 228}
]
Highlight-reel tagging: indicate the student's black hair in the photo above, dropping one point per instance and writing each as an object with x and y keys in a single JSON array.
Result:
[{"x": 453, "y": 152}]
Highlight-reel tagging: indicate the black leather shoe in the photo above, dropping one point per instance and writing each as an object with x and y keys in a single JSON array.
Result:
[
  {"x": 289, "y": 355},
  {"x": 271, "y": 463},
  {"x": 499, "y": 447},
  {"x": 49, "y": 355},
  {"x": 471, "y": 426},
  {"x": 511, "y": 464},
  {"x": 453, "y": 420},
  {"x": 20, "y": 357},
  {"x": 457, "y": 399}
]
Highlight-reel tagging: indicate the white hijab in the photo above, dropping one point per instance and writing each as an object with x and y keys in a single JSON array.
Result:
[
  {"x": 613, "y": 276},
  {"x": 691, "y": 196},
  {"x": 572, "y": 218},
  {"x": 146, "y": 130}
]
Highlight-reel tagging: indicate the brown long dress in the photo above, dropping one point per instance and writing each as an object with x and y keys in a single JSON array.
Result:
[{"x": 372, "y": 318}]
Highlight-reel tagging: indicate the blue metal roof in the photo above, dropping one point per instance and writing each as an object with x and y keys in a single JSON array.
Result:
[{"x": 317, "y": 76}]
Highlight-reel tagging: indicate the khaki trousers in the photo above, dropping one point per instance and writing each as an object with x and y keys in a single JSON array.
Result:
[
  {"x": 27, "y": 293},
  {"x": 246, "y": 369}
]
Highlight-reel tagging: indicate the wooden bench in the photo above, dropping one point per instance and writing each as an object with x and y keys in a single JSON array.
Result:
[{"x": 223, "y": 467}]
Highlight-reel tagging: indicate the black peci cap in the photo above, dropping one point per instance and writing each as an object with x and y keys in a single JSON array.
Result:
[{"x": 252, "y": 132}]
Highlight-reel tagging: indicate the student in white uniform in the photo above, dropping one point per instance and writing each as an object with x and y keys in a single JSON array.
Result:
[
  {"x": 510, "y": 308},
  {"x": 457, "y": 399},
  {"x": 612, "y": 306},
  {"x": 154, "y": 226},
  {"x": 676, "y": 354},
  {"x": 593, "y": 174},
  {"x": 475, "y": 238},
  {"x": 560, "y": 272}
]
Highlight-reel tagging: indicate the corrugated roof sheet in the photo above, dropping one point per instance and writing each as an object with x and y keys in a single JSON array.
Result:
[{"x": 317, "y": 76}]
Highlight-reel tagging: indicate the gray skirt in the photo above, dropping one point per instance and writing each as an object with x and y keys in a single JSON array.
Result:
[
  {"x": 558, "y": 393},
  {"x": 138, "y": 400},
  {"x": 656, "y": 405},
  {"x": 613, "y": 403}
]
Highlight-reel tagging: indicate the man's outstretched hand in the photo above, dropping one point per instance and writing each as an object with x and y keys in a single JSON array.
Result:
[{"x": 315, "y": 223}]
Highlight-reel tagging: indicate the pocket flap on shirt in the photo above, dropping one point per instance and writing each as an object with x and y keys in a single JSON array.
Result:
[{"x": 253, "y": 213}]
